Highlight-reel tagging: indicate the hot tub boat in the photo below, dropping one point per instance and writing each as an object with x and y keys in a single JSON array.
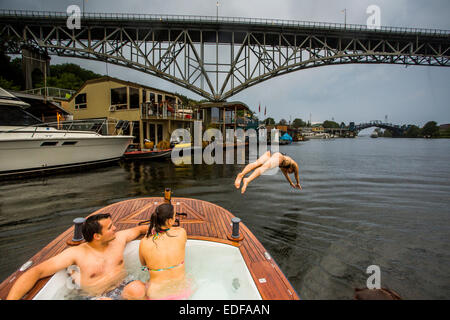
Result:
[{"x": 227, "y": 265}]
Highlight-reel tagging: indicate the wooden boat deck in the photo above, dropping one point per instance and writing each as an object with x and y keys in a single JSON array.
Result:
[{"x": 204, "y": 221}]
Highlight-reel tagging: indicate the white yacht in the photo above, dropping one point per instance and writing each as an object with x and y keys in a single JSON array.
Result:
[{"x": 27, "y": 145}]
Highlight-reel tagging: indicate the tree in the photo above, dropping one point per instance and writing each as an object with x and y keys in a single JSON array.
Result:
[
  {"x": 186, "y": 101},
  {"x": 412, "y": 132},
  {"x": 430, "y": 129},
  {"x": 445, "y": 133},
  {"x": 8, "y": 85},
  {"x": 330, "y": 124},
  {"x": 387, "y": 133},
  {"x": 11, "y": 70},
  {"x": 282, "y": 122},
  {"x": 297, "y": 123},
  {"x": 342, "y": 125},
  {"x": 269, "y": 121},
  {"x": 67, "y": 76}
]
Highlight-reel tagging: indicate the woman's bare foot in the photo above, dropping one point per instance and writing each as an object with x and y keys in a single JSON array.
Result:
[
  {"x": 244, "y": 186},
  {"x": 237, "y": 182}
]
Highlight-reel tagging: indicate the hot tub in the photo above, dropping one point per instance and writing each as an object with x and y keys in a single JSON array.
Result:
[{"x": 217, "y": 271}]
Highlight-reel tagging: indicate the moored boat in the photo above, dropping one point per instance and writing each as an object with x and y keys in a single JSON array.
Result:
[
  {"x": 226, "y": 266},
  {"x": 147, "y": 154},
  {"x": 286, "y": 139},
  {"x": 28, "y": 146}
]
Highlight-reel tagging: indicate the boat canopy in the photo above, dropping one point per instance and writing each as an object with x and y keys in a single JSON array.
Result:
[
  {"x": 286, "y": 136},
  {"x": 7, "y": 98}
]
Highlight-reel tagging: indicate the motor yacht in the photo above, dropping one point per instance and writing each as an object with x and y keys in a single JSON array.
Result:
[{"x": 27, "y": 145}]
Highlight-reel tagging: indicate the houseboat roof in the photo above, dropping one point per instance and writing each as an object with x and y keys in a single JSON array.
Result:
[
  {"x": 227, "y": 105},
  {"x": 124, "y": 82}
]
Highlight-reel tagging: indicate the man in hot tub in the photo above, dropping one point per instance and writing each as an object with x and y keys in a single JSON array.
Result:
[{"x": 99, "y": 260}]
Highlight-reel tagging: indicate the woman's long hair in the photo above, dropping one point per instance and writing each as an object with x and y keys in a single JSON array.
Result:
[{"x": 158, "y": 219}]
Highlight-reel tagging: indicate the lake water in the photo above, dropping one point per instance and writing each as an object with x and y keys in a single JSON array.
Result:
[{"x": 383, "y": 202}]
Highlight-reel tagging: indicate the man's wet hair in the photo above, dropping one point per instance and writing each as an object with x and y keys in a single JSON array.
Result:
[{"x": 92, "y": 226}]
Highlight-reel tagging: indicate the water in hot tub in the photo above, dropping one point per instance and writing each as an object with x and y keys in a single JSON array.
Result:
[{"x": 215, "y": 271}]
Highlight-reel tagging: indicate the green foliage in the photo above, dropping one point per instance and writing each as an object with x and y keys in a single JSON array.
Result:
[
  {"x": 297, "y": 123},
  {"x": 8, "y": 85},
  {"x": 282, "y": 122},
  {"x": 430, "y": 129},
  {"x": 186, "y": 101},
  {"x": 269, "y": 121},
  {"x": 330, "y": 124},
  {"x": 67, "y": 76},
  {"x": 11, "y": 72},
  {"x": 445, "y": 133},
  {"x": 387, "y": 133},
  {"x": 412, "y": 132}
]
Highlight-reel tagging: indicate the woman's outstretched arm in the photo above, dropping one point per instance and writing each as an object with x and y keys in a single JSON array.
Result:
[
  {"x": 288, "y": 178},
  {"x": 297, "y": 177}
]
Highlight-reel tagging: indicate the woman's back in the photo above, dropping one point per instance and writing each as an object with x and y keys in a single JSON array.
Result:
[{"x": 164, "y": 254}]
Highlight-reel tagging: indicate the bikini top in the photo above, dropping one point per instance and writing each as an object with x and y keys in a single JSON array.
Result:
[{"x": 162, "y": 269}]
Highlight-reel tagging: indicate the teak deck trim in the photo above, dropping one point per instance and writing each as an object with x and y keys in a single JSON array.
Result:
[{"x": 204, "y": 221}]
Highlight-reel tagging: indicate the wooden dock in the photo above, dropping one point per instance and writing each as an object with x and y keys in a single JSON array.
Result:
[{"x": 204, "y": 221}]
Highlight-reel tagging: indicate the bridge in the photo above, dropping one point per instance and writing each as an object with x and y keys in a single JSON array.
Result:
[
  {"x": 217, "y": 57},
  {"x": 395, "y": 129}
]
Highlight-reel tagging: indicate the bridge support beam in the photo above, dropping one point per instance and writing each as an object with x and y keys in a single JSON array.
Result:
[{"x": 32, "y": 60}]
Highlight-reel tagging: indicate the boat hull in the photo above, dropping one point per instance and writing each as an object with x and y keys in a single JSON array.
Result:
[
  {"x": 147, "y": 155},
  {"x": 18, "y": 156}
]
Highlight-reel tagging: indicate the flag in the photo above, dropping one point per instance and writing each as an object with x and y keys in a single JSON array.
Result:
[
  {"x": 265, "y": 108},
  {"x": 259, "y": 108}
]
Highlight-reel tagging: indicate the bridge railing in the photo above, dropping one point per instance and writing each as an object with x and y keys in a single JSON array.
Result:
[{"x": 212, "y": 19}]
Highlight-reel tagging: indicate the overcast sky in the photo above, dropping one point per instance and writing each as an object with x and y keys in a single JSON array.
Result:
[{"x": 353, "y": 92}]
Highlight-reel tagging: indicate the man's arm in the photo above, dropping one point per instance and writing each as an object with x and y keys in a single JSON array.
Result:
[
  {"x": 47, "y": 268},
  {"x": 133, "y": 233}
]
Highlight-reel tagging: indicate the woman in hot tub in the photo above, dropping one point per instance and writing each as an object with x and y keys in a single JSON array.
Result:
[{"x": 162, "y": 252}]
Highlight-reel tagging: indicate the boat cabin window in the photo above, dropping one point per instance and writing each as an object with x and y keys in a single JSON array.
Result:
[
  {"x": 134, "y": 98},
  {"x": 16, "y": 116},
  {"x": 80, "y": 101},
  {"x": 119, "y": 98},
  {"x": 49, "y": 143}
]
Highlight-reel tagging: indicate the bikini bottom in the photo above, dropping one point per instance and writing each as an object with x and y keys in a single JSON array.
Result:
[{"x": 182, "y": 295}]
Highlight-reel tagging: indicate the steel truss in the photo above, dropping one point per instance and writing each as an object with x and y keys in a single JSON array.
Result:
[{"x": 219, "y": 59}]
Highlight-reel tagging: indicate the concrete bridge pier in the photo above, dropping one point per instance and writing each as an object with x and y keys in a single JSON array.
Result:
[{"x": 34, "y": 60}]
